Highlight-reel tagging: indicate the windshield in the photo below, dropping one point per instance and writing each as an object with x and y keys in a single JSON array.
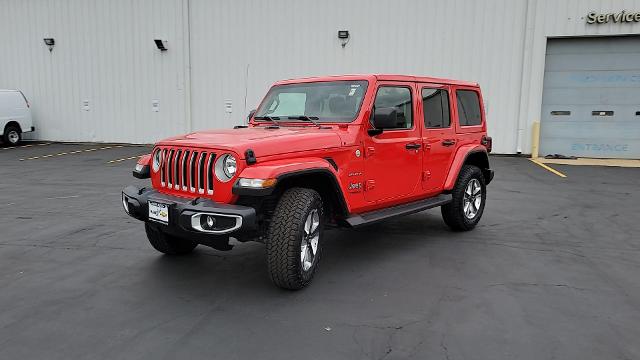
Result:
[{"x": 331, "y": 101}]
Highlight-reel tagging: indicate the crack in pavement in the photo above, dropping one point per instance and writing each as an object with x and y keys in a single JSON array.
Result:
[
  {"x": 444, "y": 347},
  {"x": 395, "y": 329}
]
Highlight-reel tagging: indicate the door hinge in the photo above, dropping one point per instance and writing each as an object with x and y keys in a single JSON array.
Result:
[
  {"x": 426, "y": 175},
  {"x": 371, "y": 184},
  {"x": 369, "y": 151}
]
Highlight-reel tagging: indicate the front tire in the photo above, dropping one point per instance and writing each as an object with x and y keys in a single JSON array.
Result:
[
  {"x": 167, "y": 244},
  {"x": 294, "y": 239},
  {"x": 469, "y": 196},
  {"x": 12, "y": 135}
]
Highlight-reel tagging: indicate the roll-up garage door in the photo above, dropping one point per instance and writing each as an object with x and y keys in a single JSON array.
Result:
[{"x": 591, "y": 98}]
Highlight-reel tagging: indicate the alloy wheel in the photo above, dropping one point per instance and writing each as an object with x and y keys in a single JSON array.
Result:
[
  {"x": 310, "y": 238},
  {"x": 472, "y": 199}
]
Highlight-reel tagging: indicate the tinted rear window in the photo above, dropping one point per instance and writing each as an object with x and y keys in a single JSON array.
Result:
[
  {"x": 435, "y": 103},
  {"x": 469, "y": 113}
]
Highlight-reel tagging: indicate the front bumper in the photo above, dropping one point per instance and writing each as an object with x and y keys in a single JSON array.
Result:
[{"x": 183, "y": 210}]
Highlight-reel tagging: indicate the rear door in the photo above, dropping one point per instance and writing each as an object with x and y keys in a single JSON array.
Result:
[
  {"x": 393, "y": 159},
  {"x": 438, "y": 137}
]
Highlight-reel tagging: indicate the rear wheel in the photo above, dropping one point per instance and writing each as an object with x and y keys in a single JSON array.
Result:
[
  {"x": 12, "y": 135},
  {"x": 168, "y": 244},
  {"x": 469, "y": 194},
  {"x": 294, "y": 240}
]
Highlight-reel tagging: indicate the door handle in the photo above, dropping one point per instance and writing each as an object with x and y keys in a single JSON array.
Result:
[
  {"x": 413, "y": 146},
  {"x": 448, "y": 142}
]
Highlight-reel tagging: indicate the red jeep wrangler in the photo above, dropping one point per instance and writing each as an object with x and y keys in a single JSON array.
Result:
[{"x": 339, "y": 151}]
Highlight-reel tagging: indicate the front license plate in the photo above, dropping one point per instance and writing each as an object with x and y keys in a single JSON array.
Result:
[{"x": 159, "y": 212}]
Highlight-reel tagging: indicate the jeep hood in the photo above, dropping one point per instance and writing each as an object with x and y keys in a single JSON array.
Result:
[{"x": 263, "y": 141}]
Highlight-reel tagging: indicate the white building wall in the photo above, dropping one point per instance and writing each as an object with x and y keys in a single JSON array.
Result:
[
  {"x": 233, "y": 50},
  {"x": 296, "y": 38},
  {"x": 105, "y": 54}
]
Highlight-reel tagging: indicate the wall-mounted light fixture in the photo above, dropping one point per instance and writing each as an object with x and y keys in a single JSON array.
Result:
[
  {"x": 161, "y": 44},
  {"x": 50, "y": 42},
  {"x": 343, "y": 35}
]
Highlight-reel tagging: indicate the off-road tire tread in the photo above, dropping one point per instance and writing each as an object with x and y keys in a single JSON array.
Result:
[
  {"x": 453, "y": 213},
  {"x": 168, "y": 244},
  {"x": 283, "y": 238}
]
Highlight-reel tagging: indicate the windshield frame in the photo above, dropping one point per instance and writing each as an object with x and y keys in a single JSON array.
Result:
[{"x": 283, "y": 119}]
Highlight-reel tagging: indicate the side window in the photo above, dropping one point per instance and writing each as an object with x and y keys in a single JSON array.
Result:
[
  {"x": 435, "y": 103},
  {"x": 468, "y": 108},
  {"x": 399, "y": 98}
]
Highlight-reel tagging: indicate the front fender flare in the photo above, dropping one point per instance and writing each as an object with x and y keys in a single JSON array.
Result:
[
  {"x": 145, "y": 159},
  {"x": 275, "y": 169},
  {"x": 285, "y": 170},
  {"x": 143, "y": 167}
]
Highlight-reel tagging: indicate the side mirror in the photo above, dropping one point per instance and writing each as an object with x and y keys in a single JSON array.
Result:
[
  {"x": 383, "y": 118},
  {"x": 251, "y": 113}
]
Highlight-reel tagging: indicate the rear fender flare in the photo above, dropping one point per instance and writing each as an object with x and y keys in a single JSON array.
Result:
[{"x": 460, "y": 159}]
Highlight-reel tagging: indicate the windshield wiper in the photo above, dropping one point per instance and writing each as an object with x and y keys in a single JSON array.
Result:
[
  {"x": 311, "y": 119},
  {"x": 269, "y": 118}
]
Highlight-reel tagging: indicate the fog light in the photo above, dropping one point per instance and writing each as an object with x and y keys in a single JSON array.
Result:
[
  {"x": 215, "y": 223},
  {"x": 210, "y": 222}
]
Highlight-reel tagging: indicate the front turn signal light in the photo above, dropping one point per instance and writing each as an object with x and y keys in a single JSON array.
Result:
[
  {"x": 141, "y": 171},
  {"x": 256, "y": 183}
]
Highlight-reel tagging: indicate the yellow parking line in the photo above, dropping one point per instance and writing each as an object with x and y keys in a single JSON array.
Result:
[
  {"x": 71, "y": 152},
  {"x": 125, "y": 159},
  {"x": 549, "y": 168},
  {"x": 24, "y": 146}
]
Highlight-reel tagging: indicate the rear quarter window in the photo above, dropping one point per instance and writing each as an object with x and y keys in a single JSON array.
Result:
[{"x": 469, "y": 113}]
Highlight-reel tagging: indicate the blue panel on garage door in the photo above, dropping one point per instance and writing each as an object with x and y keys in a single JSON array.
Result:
[{"x": 591, "y": 98}]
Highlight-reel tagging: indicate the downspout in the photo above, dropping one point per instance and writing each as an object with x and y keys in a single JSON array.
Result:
[
  {"x": 186, "y": 51},
  {"x": 525, "y": 78}
]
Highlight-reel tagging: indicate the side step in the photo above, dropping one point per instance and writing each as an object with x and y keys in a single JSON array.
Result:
[{"x": 404, "y": 209}]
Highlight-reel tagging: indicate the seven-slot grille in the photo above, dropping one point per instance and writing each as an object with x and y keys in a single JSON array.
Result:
[{"x": 189, "y": 170}]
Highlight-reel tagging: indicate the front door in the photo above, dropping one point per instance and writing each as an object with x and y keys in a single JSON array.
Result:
[
  {"x": 439, "y": 137},
  {"x": 393, "y": 159}
]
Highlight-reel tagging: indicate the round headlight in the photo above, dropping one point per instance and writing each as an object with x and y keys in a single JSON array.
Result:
[
  {"x": 230, "y": 166},
  {"x": 226, "y": 167},
  {"x": 157, "y": 160}
]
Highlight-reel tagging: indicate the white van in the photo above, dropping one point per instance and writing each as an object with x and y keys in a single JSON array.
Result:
[{"x": 15, "y": 116}]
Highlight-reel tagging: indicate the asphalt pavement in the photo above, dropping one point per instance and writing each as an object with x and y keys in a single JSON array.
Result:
[{"x": 551, "y": 272}]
